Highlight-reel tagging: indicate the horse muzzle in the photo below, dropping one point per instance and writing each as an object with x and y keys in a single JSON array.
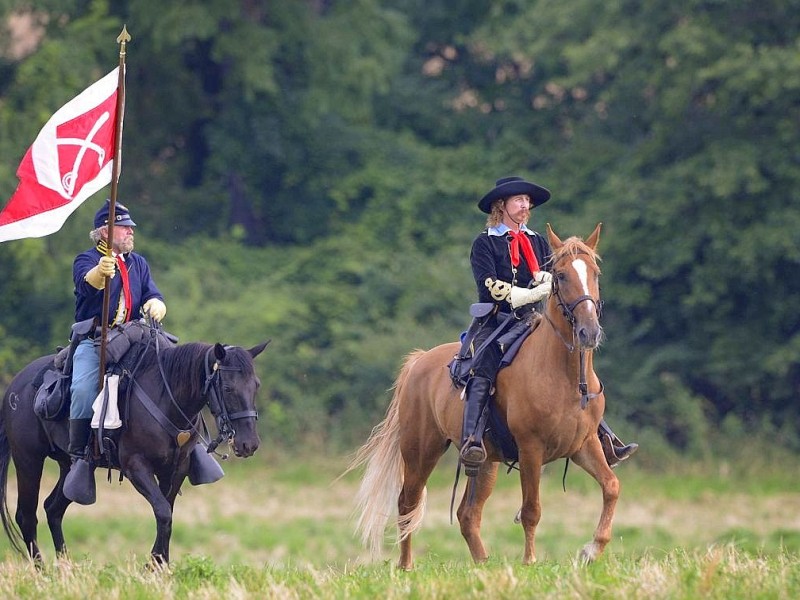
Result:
[
  {"x": 589, "y": 337},
  {"x": 245, "y": 442}
]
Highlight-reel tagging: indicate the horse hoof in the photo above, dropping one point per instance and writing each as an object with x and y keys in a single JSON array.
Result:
[
  {"x": 158, "y": 564},
  {"x": 589, "y": 553}
]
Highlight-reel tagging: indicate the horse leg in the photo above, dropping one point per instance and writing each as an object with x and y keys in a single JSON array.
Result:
[
  {"x": 143, "y": 478},
  {"x": 530, "y": 472},
  {"x": 592, "y": 460},
  {"x": 470, "y": 510},
  {"x": 29, "y": 476},
  {"x": 418, "y": 464},
  {"x": 55, "y": 506}
]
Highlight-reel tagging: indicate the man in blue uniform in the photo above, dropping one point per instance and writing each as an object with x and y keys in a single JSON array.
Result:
[
  {"x": 508, "y": 263},
  {"x": 132, "y": 293}
]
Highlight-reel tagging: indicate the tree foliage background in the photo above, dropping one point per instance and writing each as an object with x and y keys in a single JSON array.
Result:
[{"x": 308, "y": 171}]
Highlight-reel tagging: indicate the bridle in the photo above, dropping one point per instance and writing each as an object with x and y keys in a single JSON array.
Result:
[
  {"x": 215, "y": 390},
  {"x": 568, "y": 310}
]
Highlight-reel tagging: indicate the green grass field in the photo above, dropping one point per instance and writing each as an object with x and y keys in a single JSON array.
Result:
[{"x": 281, "y": 528}]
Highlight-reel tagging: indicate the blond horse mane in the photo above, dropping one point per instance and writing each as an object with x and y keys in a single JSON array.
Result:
[{"x": 572, "y": 247}]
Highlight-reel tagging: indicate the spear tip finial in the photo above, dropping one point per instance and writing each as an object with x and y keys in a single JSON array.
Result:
[{"x": 124, "y": 36}]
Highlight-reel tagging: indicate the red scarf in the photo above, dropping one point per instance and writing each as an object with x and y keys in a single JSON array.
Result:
[
  {"x": 519, "y": 239},
  {"x": 126, "y": 287}
]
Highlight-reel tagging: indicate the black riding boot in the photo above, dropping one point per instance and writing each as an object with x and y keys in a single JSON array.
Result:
[
  {"x": 79, "y": 486},
  {"x": 613, "y": 447},
  {"x": 473, "y": 452}
]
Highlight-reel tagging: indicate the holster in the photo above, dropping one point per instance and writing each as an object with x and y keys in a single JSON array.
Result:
[{"x": 80, "y": 331}]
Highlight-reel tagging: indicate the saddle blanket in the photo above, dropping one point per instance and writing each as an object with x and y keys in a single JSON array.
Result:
[{"x": 111, "y": 391}]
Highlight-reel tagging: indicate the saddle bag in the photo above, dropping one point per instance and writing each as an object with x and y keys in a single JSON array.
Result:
[
  {"x": 125, "y": 342},
  {"x": 52, "y": 397},
  {"x": 120, "y": 339}
]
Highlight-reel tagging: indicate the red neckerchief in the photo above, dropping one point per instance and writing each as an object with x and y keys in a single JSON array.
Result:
[
  {"x": 126, "y": 287},
  {"x": 519, "y": 239}
]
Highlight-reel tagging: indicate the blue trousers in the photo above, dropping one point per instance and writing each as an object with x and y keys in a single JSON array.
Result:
[{"x": 85, "y": 379}]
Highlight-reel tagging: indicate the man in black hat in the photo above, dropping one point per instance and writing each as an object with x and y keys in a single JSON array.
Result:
[
  {"x": 508, "y": 261},
  {"x": 133, "y": 293}
]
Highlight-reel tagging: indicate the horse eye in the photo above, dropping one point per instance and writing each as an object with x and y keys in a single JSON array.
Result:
[{"x": 561, "y": 276}]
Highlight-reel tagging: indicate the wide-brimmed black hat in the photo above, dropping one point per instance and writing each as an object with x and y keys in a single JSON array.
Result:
[
  {"x": 121, "y": 215},
  {"x": 513, "y": 186}
]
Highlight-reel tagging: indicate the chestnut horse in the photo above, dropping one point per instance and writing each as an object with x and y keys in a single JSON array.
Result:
[{"x": 539, "y": 397}]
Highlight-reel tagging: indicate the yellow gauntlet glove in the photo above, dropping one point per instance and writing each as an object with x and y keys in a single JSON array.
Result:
[
  {"x": 96, "y": 276},
  {"x": 155, "y": 309}
]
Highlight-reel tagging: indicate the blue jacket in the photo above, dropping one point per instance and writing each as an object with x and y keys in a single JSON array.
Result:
[{"x": 89, "y": 300}]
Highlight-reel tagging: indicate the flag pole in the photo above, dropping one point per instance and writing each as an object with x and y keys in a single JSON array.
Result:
[{"x": 122, "y": 39}]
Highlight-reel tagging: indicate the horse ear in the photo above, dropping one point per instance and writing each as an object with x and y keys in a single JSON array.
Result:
[
  {"x": 219, "y": 351},
  {"x": 256, "y": 350},
  {"x": 555, "y": 241},
  {"x": 594, "y": 238}
]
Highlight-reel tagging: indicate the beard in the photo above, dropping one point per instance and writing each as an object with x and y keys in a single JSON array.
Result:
[{"x": 125, "y": 246}]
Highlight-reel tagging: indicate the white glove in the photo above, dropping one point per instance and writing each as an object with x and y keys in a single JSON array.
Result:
[
  {"x": 155, "y": 309},
  {"x": 96, "y": 276},
  {"x": 542, "y": 277},
  {"x": 522, "y": 296}
]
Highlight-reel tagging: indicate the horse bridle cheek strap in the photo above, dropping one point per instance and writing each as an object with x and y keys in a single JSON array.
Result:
[
  {"x": 213, "y": 389},
  {"x": 568, "y": 310}
]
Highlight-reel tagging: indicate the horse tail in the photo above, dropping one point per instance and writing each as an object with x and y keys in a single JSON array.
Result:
[
  {"x": 378, "y": 495},
  {"x": 9, "y": 526}
]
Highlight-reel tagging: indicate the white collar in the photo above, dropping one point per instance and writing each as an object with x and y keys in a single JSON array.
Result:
[{"x": 503, "y": 229}]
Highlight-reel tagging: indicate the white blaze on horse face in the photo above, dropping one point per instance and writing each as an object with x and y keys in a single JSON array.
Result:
[{"x": 583, "y": 275}]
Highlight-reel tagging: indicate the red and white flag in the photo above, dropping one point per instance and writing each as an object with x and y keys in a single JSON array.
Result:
[{"x": 71, "y": 159}]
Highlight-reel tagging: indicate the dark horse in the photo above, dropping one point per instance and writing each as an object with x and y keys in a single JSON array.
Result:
[
  {"x": 550, "y": 397},
  {"x": 154, "y": 445}
]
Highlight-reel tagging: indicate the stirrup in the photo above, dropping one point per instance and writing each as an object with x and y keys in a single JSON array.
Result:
[
  {"x": 79, "y": 485},
  {"x": 616, "y": 453},
  {"x": 472, "y": 457},
  {"x": 203, "y": 468}
]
